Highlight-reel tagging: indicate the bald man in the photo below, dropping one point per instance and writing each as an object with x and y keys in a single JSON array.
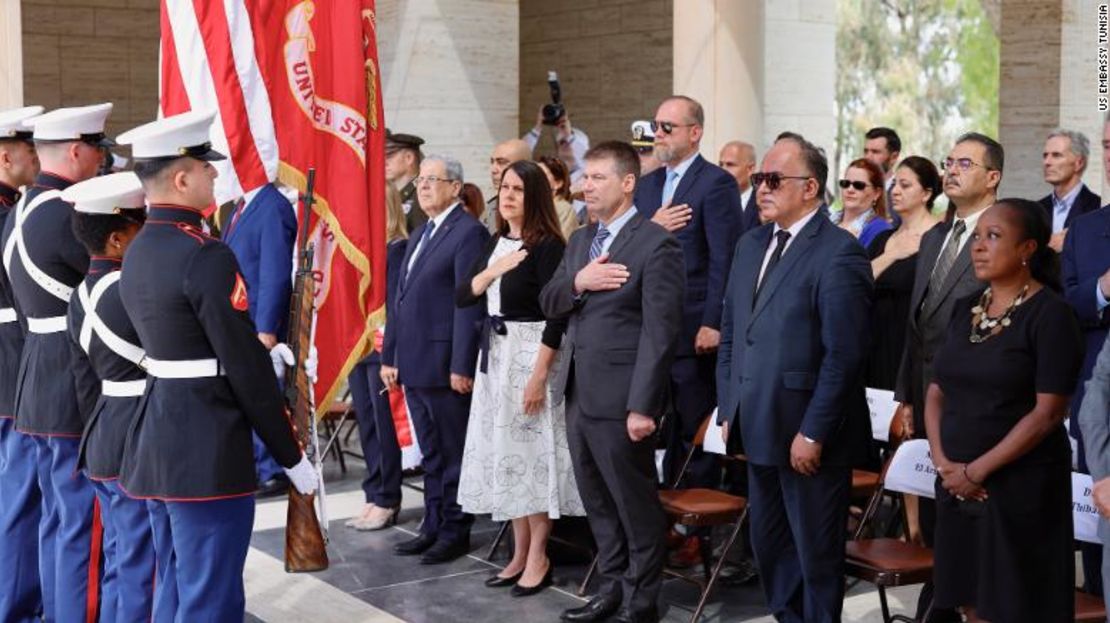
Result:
[
  {"x": 503, "y": 155},
  {"x": 738, "y": 158}
]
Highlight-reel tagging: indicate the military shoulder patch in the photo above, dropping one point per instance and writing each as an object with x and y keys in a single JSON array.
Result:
[{"x": 239, "y": 294}]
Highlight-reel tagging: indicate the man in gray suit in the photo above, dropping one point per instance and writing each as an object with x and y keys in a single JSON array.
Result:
[
  {"x": 1094, "y": 423},
  {"x": 621, "y": 285},
  {"x": 972, "y": 172}
]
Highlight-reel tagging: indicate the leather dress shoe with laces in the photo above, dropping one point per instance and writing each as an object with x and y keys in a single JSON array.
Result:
[
  {"x": 599, "y": 608},
  {"x": 415, "y": 546},
  {"x": 446, "y": 551},
  {"x": 628, "y": 615}
]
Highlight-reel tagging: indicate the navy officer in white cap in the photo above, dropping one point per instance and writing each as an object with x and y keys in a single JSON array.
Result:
[
  {"x": 44, "y": 262},
  {"x": 107, "y": 367},
  {"x": 210, "y": 380},
  {"x": 20, "y": 596}
]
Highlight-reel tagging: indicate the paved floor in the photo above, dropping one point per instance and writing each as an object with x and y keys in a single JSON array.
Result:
[{"x": 367, "y": 583}]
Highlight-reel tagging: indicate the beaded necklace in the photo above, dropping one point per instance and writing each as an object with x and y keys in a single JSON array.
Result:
[{"x": 983, "y": 327}]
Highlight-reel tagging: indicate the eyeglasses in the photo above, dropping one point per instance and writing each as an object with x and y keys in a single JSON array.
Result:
[
  {"x": 858, "y": 185},
  {"x": 774, "y": 179},
  {"x": 431, "y": 179},
  {"x": 963, "y": 163},
  {"x": 667, "y": 127}
]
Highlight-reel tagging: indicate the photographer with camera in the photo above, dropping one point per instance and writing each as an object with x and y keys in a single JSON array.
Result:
[{"x": 571, "y": 144}]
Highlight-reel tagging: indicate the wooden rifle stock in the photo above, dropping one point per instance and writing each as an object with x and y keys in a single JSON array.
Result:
[{"x": 304, "y": 541}]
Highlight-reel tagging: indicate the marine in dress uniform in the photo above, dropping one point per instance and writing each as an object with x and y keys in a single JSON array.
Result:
[
  {"x": 20, "y": 596},
  {"x": 110, "y": 380},
  {"x": 209, "y": 378},
  {"x": 395, "y": 146},
  {"x": 261, "y": 233},
  {"x": 44, "y": 263}
]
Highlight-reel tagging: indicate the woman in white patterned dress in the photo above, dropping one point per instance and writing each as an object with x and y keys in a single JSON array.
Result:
[{"x": 516, "y": 463}]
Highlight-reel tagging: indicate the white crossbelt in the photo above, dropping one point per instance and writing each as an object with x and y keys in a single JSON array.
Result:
[
  {"x": 53, "y": 324},
  {"x": 7, "y": 314},
  {"x": 184, "y": 369},
  {"x": 15, "y": 243},
  {"x": 93, "y": 323},
  {"x": 123, "y": 389}
]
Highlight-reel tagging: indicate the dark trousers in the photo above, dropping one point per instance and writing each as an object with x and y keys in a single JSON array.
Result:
[
  {"x": 20, "y": 511},
  {"x": 376, "y": 433},
  {"x": 210, "y": 542},
  {"x": 694, "y": 395},
  {"x": 617, "y": 481},
  {"x": 798, "y": 528},
  {"x": 440, "y": 416}
]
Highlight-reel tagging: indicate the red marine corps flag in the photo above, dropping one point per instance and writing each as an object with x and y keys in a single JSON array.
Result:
[{"x": 296, "y": 84}]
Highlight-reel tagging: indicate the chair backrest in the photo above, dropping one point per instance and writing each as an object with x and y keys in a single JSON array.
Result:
[
  {"x": 1083, "y": 513},
  {"x": 911, "y": 470},
  {"x": 883, "y": 406}
]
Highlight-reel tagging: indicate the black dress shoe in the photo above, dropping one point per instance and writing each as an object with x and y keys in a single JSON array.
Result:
[
  {"x": 525, "y": 591},
  {"x": 496, "y": 581},
  {"x": 599, "y": 608},
  {"x": 446, "y": 551},
  {"x": 628, "y": 615},
  {"x": 414, "y": 547},
  {"x": 278, "y": 485}
]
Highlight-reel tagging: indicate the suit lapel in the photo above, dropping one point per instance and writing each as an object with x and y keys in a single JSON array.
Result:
[
  {"x": 437, "y": 237},
  {"x": 626, "y": 233},
  {"x": 687, "y": 180},
  {"x": 930, "y": 251},
  {"x": 790, "y": 257}
]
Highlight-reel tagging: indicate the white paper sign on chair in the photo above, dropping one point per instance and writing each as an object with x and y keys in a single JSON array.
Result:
[
  {"x": 882, "y": 405},
  {"x": 911, "y": 470},
  {"x": 1083, "y": 512}
]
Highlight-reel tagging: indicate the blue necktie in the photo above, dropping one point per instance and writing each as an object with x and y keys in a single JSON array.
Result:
[
  {"x": 668, "y": 186},
  {"x": 424, "y": 238},
  {"x": 599, "y": 241}
]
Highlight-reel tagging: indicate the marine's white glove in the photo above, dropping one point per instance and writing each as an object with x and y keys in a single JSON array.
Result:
[
  {"x": 311, "y": 363},
  {"x": 281, "y": 357},
  {"x": 303, "y": 476}
]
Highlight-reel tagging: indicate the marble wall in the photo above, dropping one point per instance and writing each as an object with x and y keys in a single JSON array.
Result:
[{"x": 450, "y": 74}]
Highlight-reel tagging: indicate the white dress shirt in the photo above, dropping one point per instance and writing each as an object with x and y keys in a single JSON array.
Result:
[
  {"x": 437, "y": 221},
  {"x": 794, "y": 230}
]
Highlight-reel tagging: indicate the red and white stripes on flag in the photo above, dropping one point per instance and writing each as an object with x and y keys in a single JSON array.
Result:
[{"x": 208, "y": 63}]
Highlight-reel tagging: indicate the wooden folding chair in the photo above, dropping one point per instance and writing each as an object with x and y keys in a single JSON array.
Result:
[
  {"x": 698, "y": 508},
  {"x": 889, "y": 562}
]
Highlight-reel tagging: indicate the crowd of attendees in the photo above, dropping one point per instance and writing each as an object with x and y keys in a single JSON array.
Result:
[{"x": 986, "y": 320}]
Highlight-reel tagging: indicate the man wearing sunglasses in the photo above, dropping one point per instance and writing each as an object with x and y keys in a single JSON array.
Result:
[
  {"x": 972, "y": 172},
  {"x": 699, "y": 203},
  {"x": 793, "y": 338}
]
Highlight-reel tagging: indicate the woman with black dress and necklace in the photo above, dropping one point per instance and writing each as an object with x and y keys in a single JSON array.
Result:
[
  {"x": 994, "y": 416},
  {"x": 516, "y": 462}
]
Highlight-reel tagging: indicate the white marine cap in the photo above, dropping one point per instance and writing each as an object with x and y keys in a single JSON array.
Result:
[
  {"x": 84, "y": 123},
  {"x": 642, "y": 134},
  {"x": 107, "y": 194},
  {"x": 173, "y": 137},
  {"x": 11, "y": 122}
]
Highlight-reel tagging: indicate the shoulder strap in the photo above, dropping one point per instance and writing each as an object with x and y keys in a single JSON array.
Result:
[
  {"x": 93, "y": 322},
  {"x": 15, "y": 243}
]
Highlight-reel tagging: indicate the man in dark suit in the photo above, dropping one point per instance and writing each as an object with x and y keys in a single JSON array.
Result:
[
  {"x": 793, "y": 338},
  {"x": 1066, "y": 153},
  {"x": 1085, "y": 265},
  {"x": 620, "y": 283},
  {"x": 972, "y": 172},
  {"x": 699, "y": 203},
  {"x": 738, "y": 158},
  {"x": 431, "y": 348},
  {"x": 261, "y": 232}
]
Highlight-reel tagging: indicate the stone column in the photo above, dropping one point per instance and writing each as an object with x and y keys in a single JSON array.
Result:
[
  {"x": 450, "y": 75},
  {"x": 758, "y": 68},
  {"x": 11, "y": 55},
  {"x": 1048, "y": 67}
]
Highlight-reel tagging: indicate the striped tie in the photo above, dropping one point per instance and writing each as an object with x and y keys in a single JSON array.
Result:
[
  {"x": 599, "y": 241},
  {"x": 944, "y": 263}
]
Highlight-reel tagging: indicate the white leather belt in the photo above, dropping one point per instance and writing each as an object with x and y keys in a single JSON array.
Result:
[
  {"x": 7, "y": 314},
  {"x": 184, "y": 369},
  {"x": 123, "y": 389},
  {"x": 53, "y": 324}
]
